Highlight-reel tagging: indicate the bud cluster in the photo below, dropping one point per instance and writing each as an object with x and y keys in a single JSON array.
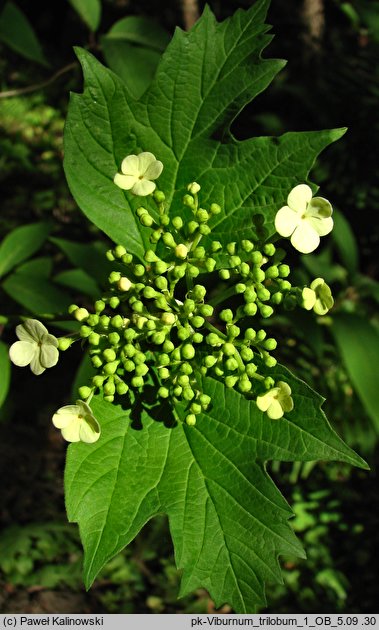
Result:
[{"x": 159, "y": 325}]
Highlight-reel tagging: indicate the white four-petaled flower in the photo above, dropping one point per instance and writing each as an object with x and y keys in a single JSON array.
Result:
[
  {"x": 304, "y": 219},
  {"x": 276, "y": 401},
  {"x": 137, "y": 171},
  {"x": 36, "y": 347},
  {"x": 77, "y": 423}
]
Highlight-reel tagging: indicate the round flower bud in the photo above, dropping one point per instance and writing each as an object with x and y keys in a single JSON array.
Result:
[
  {"x": 244, "y": 385},
  {"x": 210, "y": 264},
  {"x": 204, "y": 400},
  {"x": 206, "y": 310},
  {"x": 272, "y": 272},
  {"x": 93, "y": 320},
  {"x": 213, "y": 340},
  {"x": 233, "y": 331},
  {"x": 109, "y": 398},
  {"x": 210, "y": 361},
  {"x": 114, "y": 277},
  {"x": 197, "y": 321},
  {"x": 266, "y": 311},
  {"x": 269, "y": 249},
  {"x": 168, "y": 319},
  {"x": 226, "y": 315},
  {"x": 72, "y": 308},
  {"x": 179, "y": 271},
  {"x": 96, "y": 362},
  {"x": 250, "y": 295},
  {"x": 84, "y": 392},
  {"x": 163, "y": 373},
  {"x": 104, "y": 321},
  {"x": 181, "y": 251},
  {"x": 127, "y": 259},
  {"x": 113, "y": 338},
  {"x": 155, "y": 236},
  {"x": 110, "y": 368},
  {"x": 168, "y": 346},
  {"x": 277, "y": 298},
  {"x": 161, "y": 283},
  {"x": 99, "y": 306},
  {"x": 251, "y": 368},
  {"x": 189, "y": 306},
  {"x": 192, "y": 226},
  {"x": 193, "y": 271},
  {"x": 247, "y": 246},
  {"x": 270, "y": 344},
  {"x": 129, "y": 350},
  {"x": 117, "y": 321},
  {"x": 215, "y": 208},
  {"x": 244, "y": 269},
  {"x": 188, "y": 200},
  {"x": 188, "y": 351},
  {"x": 109, "y": 255},
  {"x": 234, "y": 261},
  {"x": 109, "y": 388},
  {"x": 231, "y": 364},
  {"x": 85, "y": 331},
  {"x": 183, "y": 380},
  {"x": 168, "y": 240},
  {"x": 215, "y": 246},
  {"x": 141, "y": 369},
  {"x": 129, "y": 366},
  {"x": 119, "y": 251},
  {"x": 193, "y": 188},
  {"x": 177, "y": 390},
  {"x": 231, "y": 248},
  {"x": 139, "y": 270},
  {"x": 164, "y": 220},
  {"x": 256, "y": 258},
  {"x": 198, "y": 292},
  {"x": 228, "y": 349},
  {"x": 98, "y": 380},
  {"x": 146, "y": 220},
  {"x": 284, "y": 271},
  {"x": 263, "y": 293},
  {"x": 158, "y": 337},
  {"x": 240, "y": 287},
  {"x": 139, "y": 358},
  {"x": 183, "y": 334},
  {"x": 250, "y": 334},
  {"x": 258, "y": 274},
  {"x": 261, "y": 334},
  {"x": 109, "y": 355},
  {"x": 230, "y": 381},
  {"x": 224, "y": 274},
  {"x": 121, "y": 388},
  {"x": 80, "y": 314},
  {"x": 191, "y": 420},
  {"x": 246, "y": 354},
  {"x": 114, "y": 301},
  {"x": 195, "y": 408},
  {"x": 197, "y": 337},
  {"x": 270, "y": 362},
  {"x": 202, "y": 215},
  {"x": 64, "y": 343},
  {"x": 285, "y": 285},
  {"x": 94, "y": 339},
  {"x": 159, "y": 196},
  {"x": 198, "y": 252},
  {"x": 177, "y": 222},
  {"x": 149, "y": 293},
  {"x": 137, "y": 381},
  {"x": 188, "y": 393},
  {"x": 204, "y": 229},
  {"x": 250, "y": 309}
]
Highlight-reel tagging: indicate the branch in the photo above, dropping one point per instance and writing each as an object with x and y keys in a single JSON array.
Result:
[
  {"x": 39, "y": 86},
  {"x": 190, "y": 13}
]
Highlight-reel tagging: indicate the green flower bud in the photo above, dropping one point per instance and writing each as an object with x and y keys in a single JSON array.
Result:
[
  {"x": 159, "y": 196},
  {"x": 141, "y": 369},
  {"x": 140, "y": 211},
  {"x": 104, "y": 321},
  {"x": 188, "y": 351},
  {"x": 99, "y": 306},
  {"x": 109, "y": 255},
  {"x": 109, "y": 398},
  {"x": 215, "y": 208},
  {"x": 230, "y": 381},
  {"x": 256, "y": 258},
  {"x": 206, "y": 310},
  {"x": 261, "y": 334},
  {"x": 277, "y": 298},
  {"x": 197, "y": 321},
  {"x": 244, "y": 269},
  {"x": 93, "y": 320},
  {"x": 117, "y": 321},
  {"x": 269, "y": 249},
  {"x": 110, "y": 368},
  {"x": 258, "y": 274},
  {"x": 183, "y": 334},
  {"x": 109, "y": 388},
  {"x": 129, "y": 350},
  {"x": 168, "y": 319},
  {"x": 161, "y": 302},
  {"x": 197, "y": 337},
  {"x": 250, "y": 334},
  {"x": 263, "y": 293},
  {"x": 139, "y": 358},
  {"x": 193, "y": 271},
  {"x": 114, "y": 302},
  {"x": 98, "y": 380},
  {"x": 195, "y": 408},
  {"x": 149, "y": 293},
  {"x": 114, "y": 338},
  {"x": 158, "y": 337},
  {"x": 191, "y": 420},
  {"x": 202, "y": 215},
  {"x": 109, "y": 355},
  {"x": 193, "y": 188},
  {"x": 96, "y": 362},
  {"x": 188, "y": 393},
  {"x": 246, "y": 354},
  {"x": 183, "y": 380},
  {"x": 240, "y": 287},
  {"x": 85, "y": 331},
  {"x": 163, "y": 359},
  {"x": 192, "y": 226},
  {"x": 177, "y": 391},
  {"x": 179, "y": 271},
  {"x": 150, "y": 256},
  {"x": 198, "y": 292},
  {"x": 138, "y": 307},
  {"x": 198, "y": 252},
  {"x": 189, "y": 306},
  {"x": 181, "y": 251},
  {"x": 72, "y": 308},
  {"x": 155, "y": 236},
  {"x": 251, "y": 368},
  {"x": 127, "y": 259},
  {"x": 285, "y": 285},
  {"x": 213, "y": 340},
  {"x": 80, "y": 314},
  {"x": 164, "y": 220},
  {"x": 284, "y": 271},
  {"x": 64, "y": 343},
  {"x": 231, "y": 364},
  {"x": 161, "y": 283},
  {"x": 234, "y": 261},
  {"x": 121, "y": 388},
  {"x": 270, "y": 362},
  {"x": 250, "y": 295},
  {"x": 114, "y": 277},
  {"x": 137, "y": 381},
  {"x": 244, "y": 385},
  {"x": 84, "y": 392},
  {"x": 119, "y": 251},
  {"x": 139, "y": 270},
  {"x": 168, "y": 346},
  {"x": 224, "y": 274},
  {"x": 129, "y": 366},
  {"x": 177, "y": 222},
  {"x": 226, "y": 315},
  {"x": 247, "y": 246},
  {"x": 210, "y": 361},
  {"x": 146, "y": 220},
  {"x": 270, "y": 344},
  {"x": 204, "y": 400},
  {"x": 163, "y": 373},
  {"x": 250, "y": 309},
  {"x": 204, "y": 229},
  {"x": 94, "y": 339},
  {"x": 272, "y": 272},
  {"x": 215, "y": 246},
  {"x": 168, "y": 240},
  {"x": 210, "y": 264},
  {"x": 233, "y": 331},
  {"x": 266, "y": 311},
  {"x": 228, "y": 349}
]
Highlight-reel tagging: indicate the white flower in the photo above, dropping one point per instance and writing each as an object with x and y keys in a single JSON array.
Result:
[
  {"x": 276, "y": 401},
  {"x": 137, "y": 171},
  {"x": 77, "y": 423},
  {"x": 324, "y": 299},
  {"x": 36, "y": 347},
  {"x": 304, "y": 219}
]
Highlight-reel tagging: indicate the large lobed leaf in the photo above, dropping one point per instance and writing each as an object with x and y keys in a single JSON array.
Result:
[
  {"x": 204, "y": 79},
  {"x": 227, "y": 519}
]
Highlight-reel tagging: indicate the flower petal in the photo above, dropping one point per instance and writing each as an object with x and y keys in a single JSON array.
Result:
[
  {"x": 71, "y": 433},
  {"x": 305, "y": 239},
  {"x": 308, "y": 298},
  {"x": 154, "y": 170},
  {"x": 22, "y": 352},
  {"x": 35, "y": 364},
  {"x": 126, "y": 182},
  {"x": 264, "y": 401},
  {"x": 48, "y": 355},
  {"x": 130, "y": 166},
  {"x": 143, "y": 187},
  {"x": 65, "y": 415},
  {"x": 31, "y": 330},
  {"x": 287, "y": 404},
  {"x": 50, "y": 340},
  {"x": 319, "y": 207},
  {"x": 89, "y": 432},
  {"x": 145, "y": 160},
  {"x": 322, "y": 226},
  {"x": 275, "y": 410},
  {"x": 299, "y": 198},
  {"x": 286, "y": 221}
]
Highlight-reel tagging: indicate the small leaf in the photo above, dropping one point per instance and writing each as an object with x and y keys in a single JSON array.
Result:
[
  {"x": 79, "y": 281},
  {"x": 89, "y": 257},
  {"x": 89, "y": 11},
  {"x": 139, "y": 30},
  {"x": 20, "y": 244},
  {"x": 358, "y": 343},
  {"x": 227, "y": 519},
  {"x": 17, "y": 32},
  {"x": 4, "y": 371},
  {"x": 344, "y": 239}
]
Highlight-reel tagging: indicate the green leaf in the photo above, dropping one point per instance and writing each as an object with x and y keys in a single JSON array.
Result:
[
  {"x": 358, "y": 343},
  {"x": 344, "y": 239},
  {"x": 227, "y": 519},
  {"x": 30, "y": 287},
  {"x": 5, "y": 371},
  {"x": 89, "y": 257},
  {"x": 132, "y": 49},
  {"x": 79, "y": 281},
  {"x": 17, "y": 32},
  {"x": 89, "y": 11},
  {"x": 204, "y": 79},
  {"x": 20, "y": 244},
  {"x": 83, "y": 375}
]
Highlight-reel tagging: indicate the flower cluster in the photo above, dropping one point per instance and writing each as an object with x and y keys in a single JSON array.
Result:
[{"x": 161, "y": 325}]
